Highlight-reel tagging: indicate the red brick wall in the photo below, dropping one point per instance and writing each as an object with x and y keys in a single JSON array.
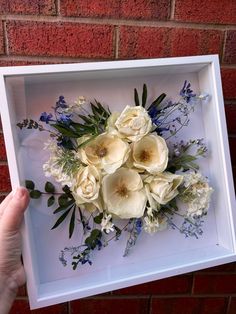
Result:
[{"x": 56, "y": 31}]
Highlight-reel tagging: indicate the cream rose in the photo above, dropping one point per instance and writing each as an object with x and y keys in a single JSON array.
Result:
[
  {"x": 106, "y": 151},
  {"x": 162, "y": 188},
  {"x": 87, "y": 186},
  {"x": 150, "y": 154},
  {"x": 123, "y": 194},
  {"x": 132, "y": 124}
]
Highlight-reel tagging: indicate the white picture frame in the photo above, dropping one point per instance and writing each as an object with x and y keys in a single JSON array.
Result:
[{"x": 28, "y": 90}]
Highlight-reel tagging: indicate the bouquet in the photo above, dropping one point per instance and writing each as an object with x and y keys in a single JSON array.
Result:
[{"x": 121, "y": 172}]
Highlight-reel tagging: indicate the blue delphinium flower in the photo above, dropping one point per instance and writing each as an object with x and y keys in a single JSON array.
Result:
[
  {"x": 65, "y": 118},
  {"x": 138, "y": 225},
  {"x": 186, "y": 92},
  {"x": 61, "y": 103},
  {"x": 46, "y": 117}
]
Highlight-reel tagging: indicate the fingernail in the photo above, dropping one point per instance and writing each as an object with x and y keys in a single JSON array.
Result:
[{"x": 18, "y": 193}]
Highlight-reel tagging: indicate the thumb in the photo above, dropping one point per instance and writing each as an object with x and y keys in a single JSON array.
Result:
[{"x": 13, "y": 214}]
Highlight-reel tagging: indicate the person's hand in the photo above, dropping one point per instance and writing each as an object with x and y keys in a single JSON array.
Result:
[{"x": 12, "y": 273}]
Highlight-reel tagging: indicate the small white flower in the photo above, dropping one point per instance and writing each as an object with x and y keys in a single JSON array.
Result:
[
  {"x": 106, "y": 223},
  {"x": 150, "y": 154},
  {"x": 196, "y": 193},
  {"x": 132, "y": 124},
  {"x": 107, "y": 152},
  {"x": 123, "y": 194},
  {"x": 152, "y": 225}
]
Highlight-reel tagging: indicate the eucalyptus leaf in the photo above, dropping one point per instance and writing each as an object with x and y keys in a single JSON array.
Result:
[
  {"x": 61, "y": 208},
  {"x": 29, "y": 184},
  {"x": 63, "y": 199},
  {"x": 35, "y": 194},
  {"x": 49, "y": 187},
  {"x": 51, "y": 200}
]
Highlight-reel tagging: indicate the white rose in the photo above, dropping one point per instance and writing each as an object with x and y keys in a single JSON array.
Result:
[
  {"x": 133, "y": 123},
  {"x": 106, "y": 151},
  {"x": 123, "y": 194},
  {"x": 162, "y": 188},
  {"x": 150, "y": 154},
  {"x": 87, "y": 186}
]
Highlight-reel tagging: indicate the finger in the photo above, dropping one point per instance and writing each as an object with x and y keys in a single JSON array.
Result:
[
  {"x": 14, "y": 212},
  {"x": 5, "y": 202}
]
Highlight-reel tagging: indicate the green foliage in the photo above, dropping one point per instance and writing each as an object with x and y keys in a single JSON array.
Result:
[
  {"x": 98, "y": 219},
  {"x": 93, "y": 239},
  {"x": 29, "y": 185},
  {"x": 51, "y": 200},
  {"x": 35, "y": 194},
  {"x": 72, "y": 223},
  {"x": 64, "y": 207},
  {"x": 49, "y": 187},
  {"x": 136, "y": 98},
  {"x": 61, "y": 219},
  {"x": 30, "y": 124},
  {"x": 144, "y": 95},
  {"x": 157, "y": 101}
]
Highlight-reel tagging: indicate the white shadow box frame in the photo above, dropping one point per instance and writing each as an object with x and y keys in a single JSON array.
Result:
[{"x": 26, "y": 91}]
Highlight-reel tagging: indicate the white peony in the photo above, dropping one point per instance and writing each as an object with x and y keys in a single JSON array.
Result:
[
  {"x": 87, "y": 186},
  {"x": 162, "y": 188},
  {"x": 123, "y": 194},
  {"x": 132, "y": 124},
  {"x": 150, "y": 154},
  {"x": 107, "y": 152}
]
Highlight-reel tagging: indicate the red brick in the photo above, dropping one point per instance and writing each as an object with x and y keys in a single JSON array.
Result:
[
  {"x": 190, "y": 42},
  {"x": 230, "y": 47},
  {"x": 145, "y": 42},
  {"x": 111, "y": 305},
  {"x": 230, "y": 111},
  {"x": 5, "y": 183},
  {"x": 215, "y": 284},
  {"x": 2, "y": 198},
  {"x": 232, "y": 308},
  {"x": 177, "y": 284},
  {"x": 45, "y": 7},
  {"x": 135, "y": 9},
  {"x": 232, "y": 146},
  {"x": 188, "y": 305},
  {"x": 60, "y": 39},
  {"x": 213, "y": 11},
  {"x": 2, "y": 148},
  {"x": 22, "y": 306},
  {"x": 228, "y": 82}
]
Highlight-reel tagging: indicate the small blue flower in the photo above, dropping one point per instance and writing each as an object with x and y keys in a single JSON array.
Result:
[
  {"x": 186, "y": 92},
  {"x": 61, "y": 103},
  {"x": 46, "y": 117},
  {"x": 65, "y": 118},
  {"x": 138, "y": 225}
]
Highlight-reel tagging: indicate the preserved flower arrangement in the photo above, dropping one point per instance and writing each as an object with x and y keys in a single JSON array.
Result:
[{"x": 120, "y": 172}]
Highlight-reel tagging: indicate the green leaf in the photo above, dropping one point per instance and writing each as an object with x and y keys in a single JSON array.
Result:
[
  {"x": 61, "y": 208},
  {"x": 29, "y": 184},
  {"x": 144, "y": 95},
  {"x": 136, "y": 98},
  {"x": 91, "y": 241},
  {"x": 157, "y": 101},
  {"x": 61, "y": 219},
  {"x": 98, "y": 219},
  {"x": 66, "y": 189},
  {"x": 63, "y": 199},
  {"x": 49, "y": 187},
  {"x": 87, "y": 141},
  {"x": 65, "y": 131},
  {"x": 35, "y": 194},
  {"x": 51, "y": 200},
  {"x": 72, "y": 224}
]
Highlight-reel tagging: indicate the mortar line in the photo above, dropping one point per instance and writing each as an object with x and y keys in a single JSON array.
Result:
[
  {"x": 58, "y": 8},
  {"x": 110, "y": 21},
  {"x": 5, "y": 37},
  {"x": 228, "y": 305},
  {"x": 172, "y": 10},
  {"x": 117, "y": 39},
  {"x": 223, "y": 46}
]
